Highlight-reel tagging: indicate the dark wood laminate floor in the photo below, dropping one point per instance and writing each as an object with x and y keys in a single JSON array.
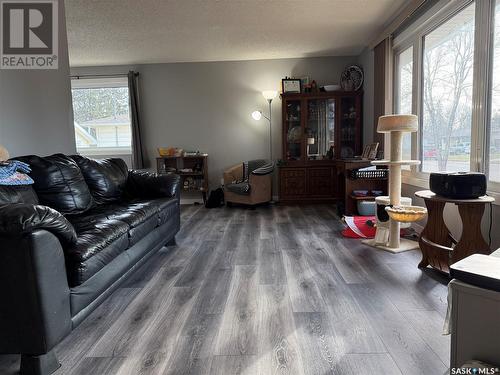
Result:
[{"x": 274, "y": 290}]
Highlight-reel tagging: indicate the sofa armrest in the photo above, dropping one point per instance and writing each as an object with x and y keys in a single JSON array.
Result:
[
  {"x": 260, "y": 181},
  {"x": 235, "y": 173},
  {"x": 35, "y": 313},
  {"x": 142, "y": 184},
  {"x": 18, "y": 219}
]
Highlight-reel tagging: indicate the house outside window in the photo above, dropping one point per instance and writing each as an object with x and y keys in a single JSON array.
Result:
[{"x": 101, "y": 116}]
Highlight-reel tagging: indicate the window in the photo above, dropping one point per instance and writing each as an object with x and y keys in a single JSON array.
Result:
[
  {"x": 444, "y": 55},
  {"x": 448, "y": 60},
  {"x": 494, "y": 156},
  {"x": 404, "y": 98},
  {"x": 101, "y": 116}
]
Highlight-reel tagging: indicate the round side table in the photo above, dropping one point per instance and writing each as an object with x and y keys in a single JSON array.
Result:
[{"x": 436, "y": 241}]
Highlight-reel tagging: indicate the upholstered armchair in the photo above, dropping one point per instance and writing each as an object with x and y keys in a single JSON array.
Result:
[{"x": 249, "y": 182}]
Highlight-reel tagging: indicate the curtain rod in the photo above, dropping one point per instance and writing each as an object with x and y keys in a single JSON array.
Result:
[{"x": 84, "y": 76}]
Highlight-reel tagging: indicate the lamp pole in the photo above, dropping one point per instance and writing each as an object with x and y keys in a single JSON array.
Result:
[
  {"x": 271, "y": 145},
  {"x": 270, "y": 132},
  {"x": 269, "y": 95}
]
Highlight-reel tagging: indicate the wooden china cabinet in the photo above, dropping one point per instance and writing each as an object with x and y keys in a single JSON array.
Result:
[{"x": 314, "y": 123}]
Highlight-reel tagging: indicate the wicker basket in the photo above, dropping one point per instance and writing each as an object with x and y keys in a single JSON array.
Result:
[
  {"x": 406, "y": 214},
  {"x": 372, "y": 174},
  {"x": 165, "y": 151}
]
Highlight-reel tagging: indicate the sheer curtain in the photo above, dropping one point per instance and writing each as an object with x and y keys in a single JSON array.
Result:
[
  {"x": 137, "y": 149},
  {"x": 382, "y": 99}
]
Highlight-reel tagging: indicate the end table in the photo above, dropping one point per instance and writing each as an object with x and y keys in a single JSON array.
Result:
[{"x": 436, "y": 241}]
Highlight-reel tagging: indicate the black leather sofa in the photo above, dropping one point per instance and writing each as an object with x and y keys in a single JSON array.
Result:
[{"x": 69, "y": 240}]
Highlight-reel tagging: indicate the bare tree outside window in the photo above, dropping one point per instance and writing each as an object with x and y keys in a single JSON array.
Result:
[
  {"x": 447, "y": 94},
  {"x": 494, "y": 167},
  {"x": 102, "y": 119},
  {"x": 405, "y": 93},
  {"x": 96, "y": 103}
]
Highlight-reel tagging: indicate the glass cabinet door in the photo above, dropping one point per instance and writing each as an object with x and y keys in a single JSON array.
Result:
[
  {"x": 293, "y": 130},
  {"x": 330, "y": 126},
  {"x": 348, "y": 124},
  {"x": 320, "y": 127}
]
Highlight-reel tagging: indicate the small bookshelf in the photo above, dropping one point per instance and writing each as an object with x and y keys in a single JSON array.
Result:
[{"x": 193, "y": 170}]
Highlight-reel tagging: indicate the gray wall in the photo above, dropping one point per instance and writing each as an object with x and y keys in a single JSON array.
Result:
[
  {"x": 35, "y": 106},
  {"x": 207, "y": 106},
  {"x": 366, "y": 61}
]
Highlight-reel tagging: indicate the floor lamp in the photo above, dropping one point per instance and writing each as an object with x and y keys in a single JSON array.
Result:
[{"x": 269, "y": 95}]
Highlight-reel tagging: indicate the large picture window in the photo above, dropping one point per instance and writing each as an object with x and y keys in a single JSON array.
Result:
[
  {"x": 494, "y": 149},
  {"x": 448, "y": 59},
  {"x": 101, "y": 116},
  {"x": 404, "y": 92},
  {"x": 447, "y": 71}
]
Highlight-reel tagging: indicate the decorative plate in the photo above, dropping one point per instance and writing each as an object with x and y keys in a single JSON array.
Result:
[
  {"x": 294, "y": 134},
  {"x": 352, "y": 78}
]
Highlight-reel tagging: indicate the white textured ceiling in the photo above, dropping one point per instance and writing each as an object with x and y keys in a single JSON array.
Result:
[{"x": 109, "y": 32}]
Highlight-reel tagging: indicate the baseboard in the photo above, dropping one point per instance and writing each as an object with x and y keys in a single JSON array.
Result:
[{"x": 189, "y": 201}]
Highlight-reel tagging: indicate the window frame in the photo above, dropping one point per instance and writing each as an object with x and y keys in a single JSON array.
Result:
[
  {"x": 396, "y": 90},
  {"x": 102, "y": 82},
  {"x": 413, "y": 36}
]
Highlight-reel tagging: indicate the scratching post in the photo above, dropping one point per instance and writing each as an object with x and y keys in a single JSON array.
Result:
[
  {"x": 396, "y": 126},
  {"x": 395, "y": 185}
]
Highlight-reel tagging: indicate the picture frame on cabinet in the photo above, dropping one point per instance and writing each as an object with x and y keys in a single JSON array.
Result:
[
  {"x": 370, "y": 151},
  {"x": 291, "y": 85}
]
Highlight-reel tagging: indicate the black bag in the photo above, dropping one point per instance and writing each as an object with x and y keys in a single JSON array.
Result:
[{"x": 215, "y": 199}]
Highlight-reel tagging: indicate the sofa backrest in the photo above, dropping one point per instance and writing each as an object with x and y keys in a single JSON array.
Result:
[
  {"x": 105, "y": 178},
  {"x": 251, "y": 165},
  {"x": 59, "y": 183}
]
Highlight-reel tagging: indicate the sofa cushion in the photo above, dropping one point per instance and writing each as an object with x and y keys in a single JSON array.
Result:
[
  {"x": 59, "y": 183},
  {"x": 99, "y": 241},
  {"x": 241, "y": 188},
  {"x": 105, "y": 178},
  {"x": 141, "y": 217},
  {"x": 134, "y": 213},
  {"x": 137, "y": 233},
  {"x": 105, "y": 231},
  {"x": 147, "y": 185}
]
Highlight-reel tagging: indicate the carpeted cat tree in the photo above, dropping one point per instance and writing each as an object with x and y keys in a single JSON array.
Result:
[{"x": 388, "y": 234}]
